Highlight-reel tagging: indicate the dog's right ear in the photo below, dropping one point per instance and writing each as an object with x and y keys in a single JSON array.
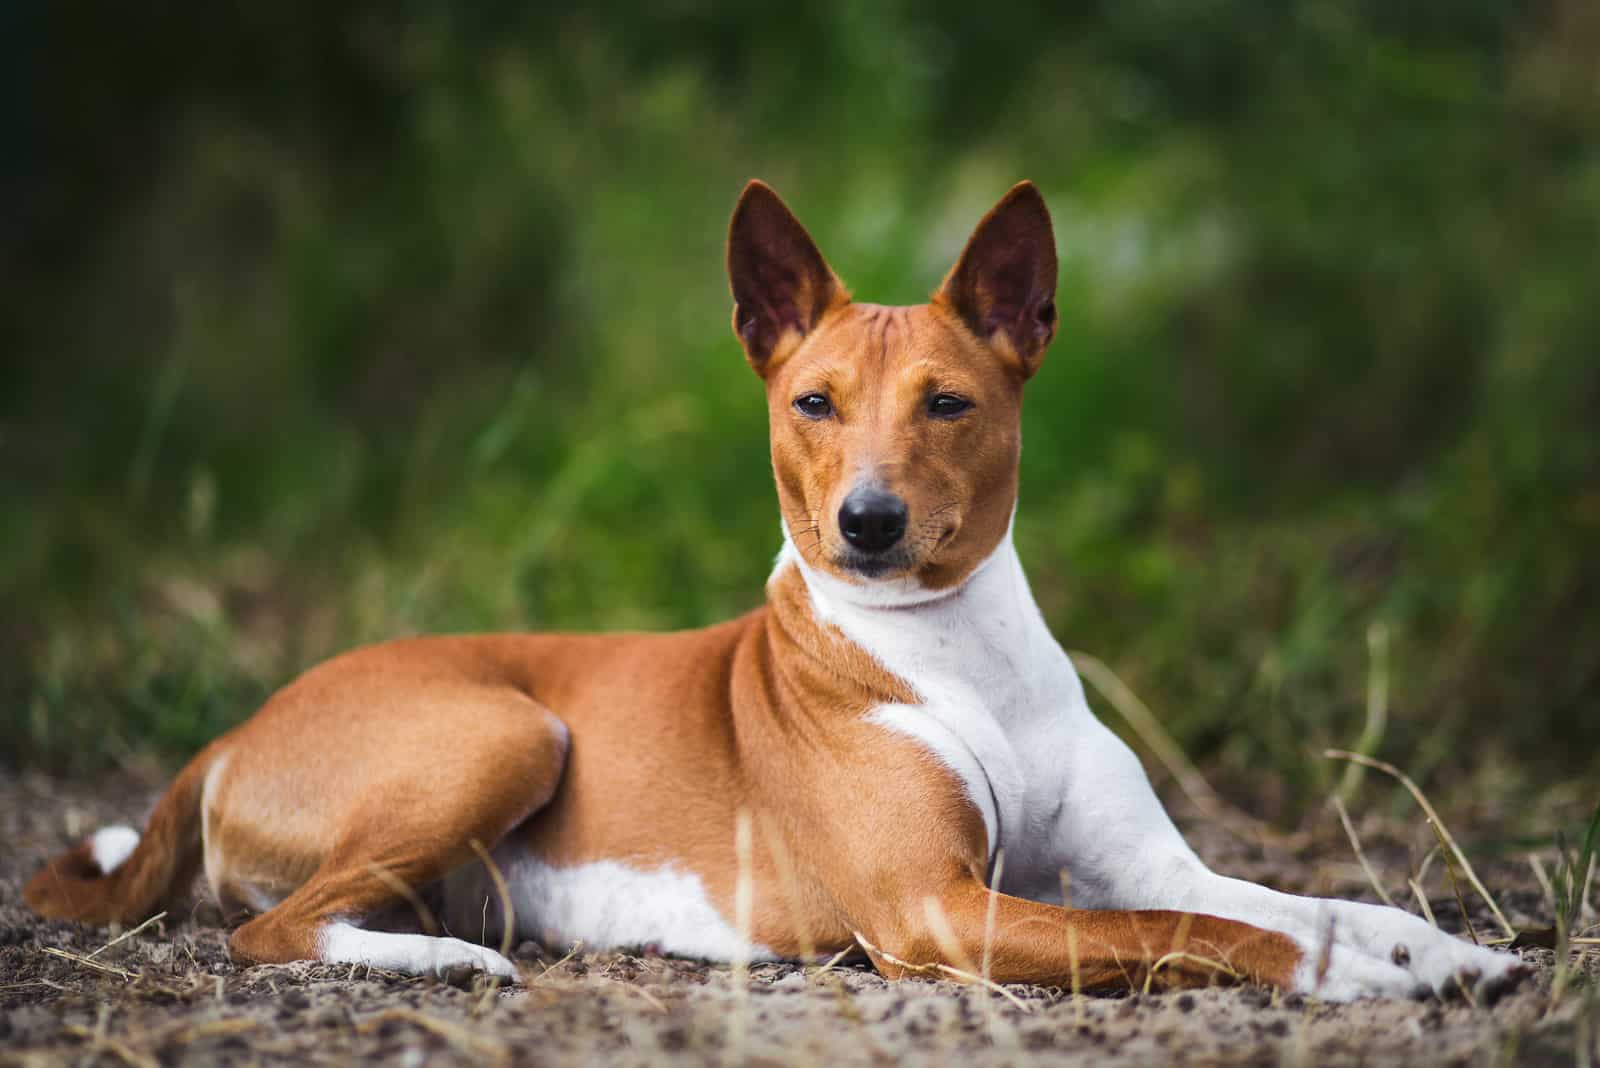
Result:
[
  {"x": 1004, "y": 285},
  {"x": 781, "y": 284}
]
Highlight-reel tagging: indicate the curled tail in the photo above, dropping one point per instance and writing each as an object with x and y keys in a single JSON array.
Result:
[{"x": 117, "y": 875}]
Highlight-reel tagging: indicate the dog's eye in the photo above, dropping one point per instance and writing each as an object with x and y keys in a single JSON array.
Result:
[
  {"x": 947, "y": 405},
  {"x": 814, "y": 406}
]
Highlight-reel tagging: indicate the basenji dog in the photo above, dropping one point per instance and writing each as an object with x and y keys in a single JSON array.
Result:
[{"x": 894, "y": 721}]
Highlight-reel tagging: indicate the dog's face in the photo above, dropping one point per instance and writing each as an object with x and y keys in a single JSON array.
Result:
[{"x": 895, "y": 431}]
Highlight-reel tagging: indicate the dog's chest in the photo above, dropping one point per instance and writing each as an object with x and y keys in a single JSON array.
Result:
[
  {"x": 1012, "y": 757},
  {"x": 999, "y": 704}
]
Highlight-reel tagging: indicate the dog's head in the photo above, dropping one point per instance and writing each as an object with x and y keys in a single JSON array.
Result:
[{"x": 895, "y": 431}]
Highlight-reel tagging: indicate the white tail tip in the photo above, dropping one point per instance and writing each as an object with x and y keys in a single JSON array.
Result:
[{"x": 110, "y": 846}]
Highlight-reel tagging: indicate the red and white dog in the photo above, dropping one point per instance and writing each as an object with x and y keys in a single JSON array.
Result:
[{"x": 894, "y": 717}]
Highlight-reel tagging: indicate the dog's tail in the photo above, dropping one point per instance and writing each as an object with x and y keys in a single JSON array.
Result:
[{"x": 117, "y": 875}]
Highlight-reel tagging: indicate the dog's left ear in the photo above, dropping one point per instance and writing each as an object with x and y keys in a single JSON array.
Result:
[
  {"x": 1004, "y": 285},
  {"x": 781, "y": 284}
]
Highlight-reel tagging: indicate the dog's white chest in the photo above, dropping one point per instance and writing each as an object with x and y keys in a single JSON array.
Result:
[{"x": 999, "y": 701}]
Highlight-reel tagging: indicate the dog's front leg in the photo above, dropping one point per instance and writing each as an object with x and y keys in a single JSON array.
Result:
[
  {"x": 1122, "y": 851},
  {"x": 963, "y": 930}
]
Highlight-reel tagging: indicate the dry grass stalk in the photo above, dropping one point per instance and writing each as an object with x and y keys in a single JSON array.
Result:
[
  {"x": 1422, "y": 902},
  {"x": 1377, "y": 706},
  {"x": 1155, "y": 738},
  {"x": 1074, "y": 970},
  {"x": 1446, "y": 839},
  {"x": 829, "y": 964},
  {"x": 1588, "y": 884},
  {"x": 791, "y": 887},
  {"x": 99, "y": 1042},
  {"x": 986, "y": 955},
  {"x": 87, "y": 963},
  {"x": 1355, "y": 844},
  {"x": 425, "y": 917},
  {"x": 942, "y": 969},
  {"x": 1544, "y": 880},
  {"x": 654, "y": 1002},
  {"x": 1180, "y": 937},
  {"x": 1455, "y": 888},
  {"x": 945, "y": 935},
  {"x": 987, "y": 984},
  {"x": 743, "y": 911},
  {"x": 508, "y": 915},
  {"x": 1179, "y": 953},
  {"x": 1073, "y": 963},
  {"x": 1325, "y": 956},
  {"x": 951, "y": 947},
  {"x": 990, "y": 912},
  {"x": 1179, "y": 956},
  {"x": 125, "y": 935},
  {"x": 456, "y": 1035},
  {"x": 212, "y": 1028},
  {"x": 876, "y": 1054},
  {"x": 183, "y": 1033},
  {"x": 1427, "y": 862},
  {"x": 548, "y": 968}
]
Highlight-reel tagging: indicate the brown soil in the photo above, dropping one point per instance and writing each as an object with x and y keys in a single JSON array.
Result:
[{"x": 169, "y": 994}]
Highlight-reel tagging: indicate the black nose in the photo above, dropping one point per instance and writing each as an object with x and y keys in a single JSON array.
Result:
[{"x": 872, "y": 519}]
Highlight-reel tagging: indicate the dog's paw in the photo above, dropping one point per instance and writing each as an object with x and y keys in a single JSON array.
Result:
[
  {"x": 1435, "y": 962},
  {"x": 413, "y": 954},
  {"x": 457, "y": 962},
  {"x": 1450, "y": 967},
  {"x": 1335, "y": 971},
  {"x": 1444, "y": 963}
]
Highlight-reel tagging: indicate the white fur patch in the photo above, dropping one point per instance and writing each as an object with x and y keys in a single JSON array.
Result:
[
  {"x": 603, "y": 904},
  {"x": 413, "y": 954},
  {"x": 110, "y": 846}
]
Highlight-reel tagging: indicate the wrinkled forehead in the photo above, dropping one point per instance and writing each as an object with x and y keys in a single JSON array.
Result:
[{"x": 881, "y": 349}]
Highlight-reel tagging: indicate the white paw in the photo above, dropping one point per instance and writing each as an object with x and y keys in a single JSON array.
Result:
[
  {"x": 1336, "y": 972},
  {"x": 1378, "y": 942},
  {"x": 413, "y": 954},
  {"x": 453, "y": 955},
  {"x": 1445, "y": 963}
]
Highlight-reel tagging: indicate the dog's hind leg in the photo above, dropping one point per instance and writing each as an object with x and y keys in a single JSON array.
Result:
[{"x": 495, "y": 769}]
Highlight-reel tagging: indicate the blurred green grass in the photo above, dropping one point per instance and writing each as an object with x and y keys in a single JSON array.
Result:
[{"x": 335, "y": 323}]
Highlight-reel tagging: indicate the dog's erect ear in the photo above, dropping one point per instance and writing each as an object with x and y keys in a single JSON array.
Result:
[
  {"x": 1004, "y": 285},
  {"x": 780, "y": 281}
]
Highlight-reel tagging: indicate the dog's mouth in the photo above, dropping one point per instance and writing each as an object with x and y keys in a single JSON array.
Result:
[
  {"x": 902, "y": 560},
  {"x": 892, "y": 564}
]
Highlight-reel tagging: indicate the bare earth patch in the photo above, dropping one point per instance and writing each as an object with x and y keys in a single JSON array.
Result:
[{"x": 169, "y": 995}]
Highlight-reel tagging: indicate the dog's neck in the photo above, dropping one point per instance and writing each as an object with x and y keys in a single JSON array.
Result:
[{"x": 984, "y": 639}]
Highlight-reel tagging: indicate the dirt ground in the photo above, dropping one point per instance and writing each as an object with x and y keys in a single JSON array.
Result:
[{"x": 169, "y": 995}]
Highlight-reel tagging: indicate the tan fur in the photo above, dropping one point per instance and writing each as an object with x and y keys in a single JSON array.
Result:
[
  {"x": 398, "y": 756},
  {"x": 879, "y": 365}
]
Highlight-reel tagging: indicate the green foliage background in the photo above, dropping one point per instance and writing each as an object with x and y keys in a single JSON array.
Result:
[{"x": 331, "y": 322}]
